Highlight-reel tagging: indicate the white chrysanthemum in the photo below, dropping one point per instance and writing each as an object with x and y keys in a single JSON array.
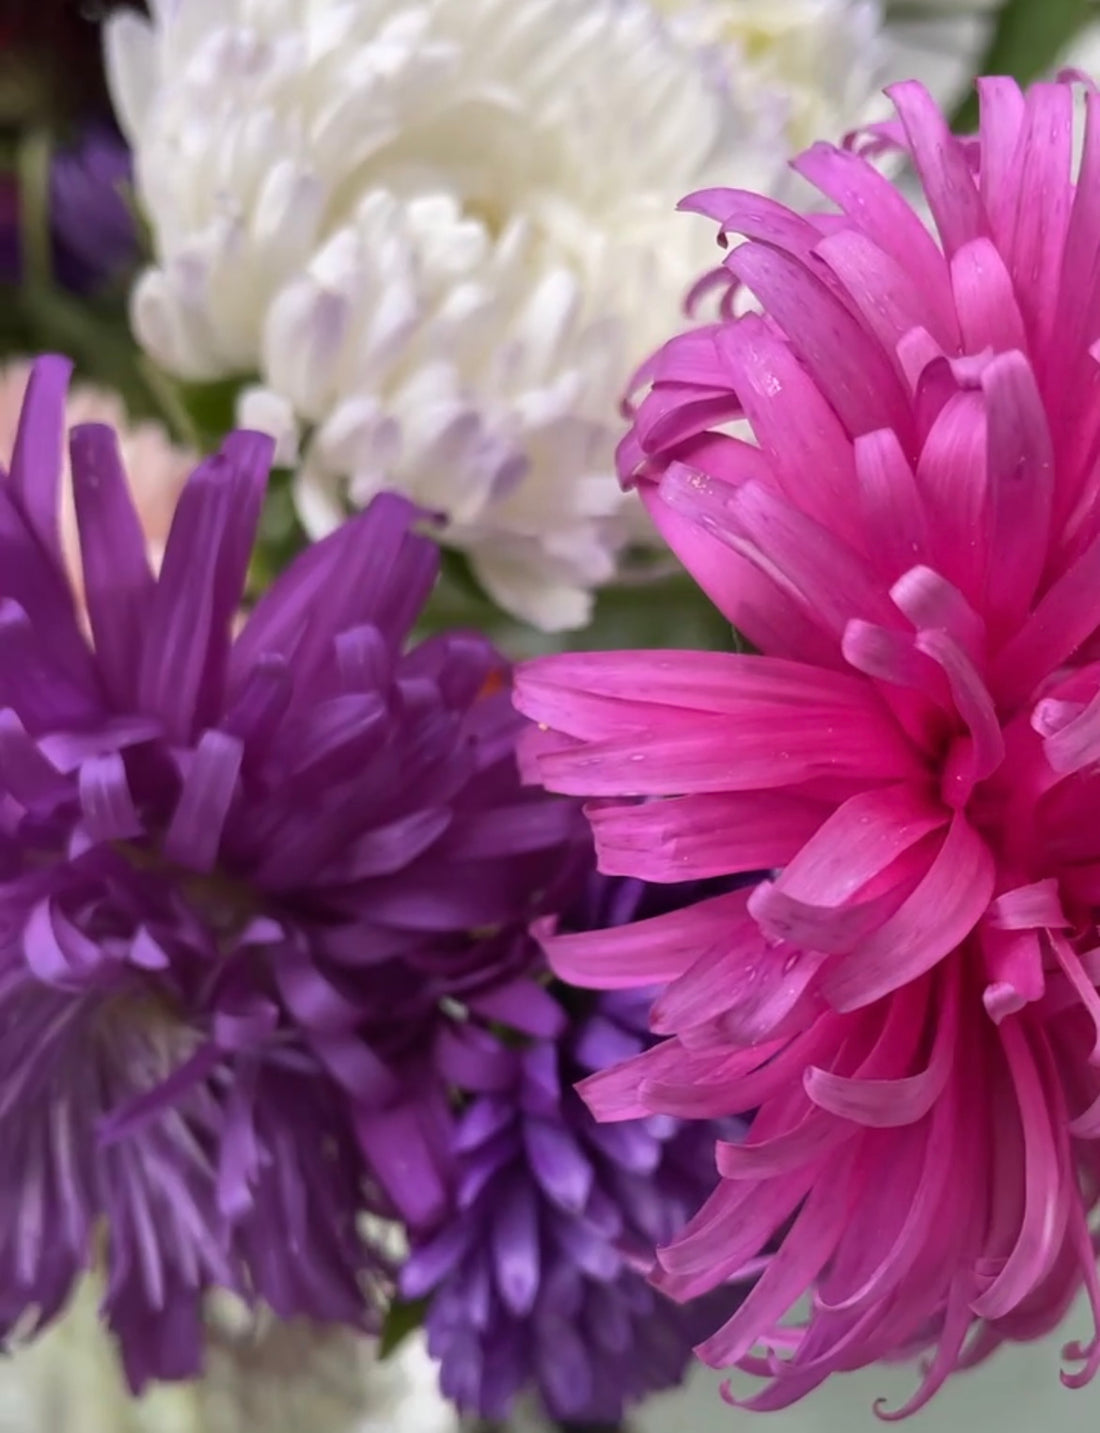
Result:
[
  {"x": 815, "y": 61},
  {"x": 440, "y": 233},
  {"x": 261, "y": 1377}
]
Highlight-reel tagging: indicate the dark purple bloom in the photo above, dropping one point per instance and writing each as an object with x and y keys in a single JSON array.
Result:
[
  {"x": 92, "y": 223},
  {"x": 218, "y": 856},
  {"x": 538, "y": 1273},
  {"x": 93, "y": 234}
]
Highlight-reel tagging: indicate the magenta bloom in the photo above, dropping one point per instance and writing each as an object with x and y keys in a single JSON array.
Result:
[
  {"x": 912, "y": 543},
  {"x": 239, "y": 875}
]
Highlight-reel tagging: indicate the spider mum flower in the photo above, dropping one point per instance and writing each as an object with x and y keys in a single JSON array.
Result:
[
  {"x": 911, "y": 540},
  {"x": 214, "y": 849},
  {"x": 434, "y": 265},
  {"x": 536, "y": 1275}
]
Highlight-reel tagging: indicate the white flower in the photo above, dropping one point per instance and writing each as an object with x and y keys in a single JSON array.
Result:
[
  {"x": 815, "y": 61},
  {"x": 262, "y": 1376},
  {"x": 436, "y": 235}
]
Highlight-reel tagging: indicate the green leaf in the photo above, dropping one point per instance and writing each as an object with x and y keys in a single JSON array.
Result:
[
  {"x": 1028, "y": 38},
  {"x": 211, "y": 408},
  {"x": 94, "y": 334},
  {"x": 669, "y": 611},
  {"x": 403, "y": 1318},
  {"x": 281, "y": 536},
  {"x": 32, "y": 168},
  {"x": 666, "y": 611}
]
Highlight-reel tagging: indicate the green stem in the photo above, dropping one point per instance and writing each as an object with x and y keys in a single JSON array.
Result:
[
  {"x": 32, "y": 168},
  {"x": 1029, "y": 37}
]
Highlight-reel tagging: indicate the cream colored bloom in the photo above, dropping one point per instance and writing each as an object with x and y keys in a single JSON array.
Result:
[
  {"x": 262, "y": 1376},
  {"x": 438, "y": 234},
  {"x": 815, "y": 61},
  {"x": 156, "y": 468}
]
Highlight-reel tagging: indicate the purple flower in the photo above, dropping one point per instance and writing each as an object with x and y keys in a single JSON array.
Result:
[
  {"x": 93, "y": 235},
  {"x": 219, "y": 855},
  {"x": 537, "y": 1274}
]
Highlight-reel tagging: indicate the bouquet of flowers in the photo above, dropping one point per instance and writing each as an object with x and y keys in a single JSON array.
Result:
[{"x": 545, "y": 768}]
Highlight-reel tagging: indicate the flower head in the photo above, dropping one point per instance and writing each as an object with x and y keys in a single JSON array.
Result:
[
  {"x": 92, "y": 234},
  {"x": 812, "y": 63},
  {"x": 95, "y": 237},
  {"x": 242, "y": 865},
  {"x": 536, "y": 1275},
  {"x": 155, "y": 468},
  {"x": 911, "y": 539},
  {"x": 436, "y": 265}
]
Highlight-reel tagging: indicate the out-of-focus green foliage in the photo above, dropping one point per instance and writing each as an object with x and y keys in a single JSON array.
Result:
[{"x": 1028, "y": 38}]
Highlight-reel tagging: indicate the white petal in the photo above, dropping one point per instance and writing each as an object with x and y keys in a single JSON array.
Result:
[
  {"x": 441, "y": 235},
  {"x": 130, "y": 55},
  {"x": 262, "y": 411}
]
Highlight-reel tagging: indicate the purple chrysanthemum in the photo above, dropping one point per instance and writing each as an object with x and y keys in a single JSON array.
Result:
[
  {"x": 537, "y": 1276},
  {"x": 92, "y": 230},
  {"x": 219, "y": 855},
  {"x": 94, "y": 233}
]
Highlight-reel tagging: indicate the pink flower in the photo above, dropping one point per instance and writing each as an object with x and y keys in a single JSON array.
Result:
[
  {"x": 157, "y": 470},
  {"x": 912, "y": 542}
]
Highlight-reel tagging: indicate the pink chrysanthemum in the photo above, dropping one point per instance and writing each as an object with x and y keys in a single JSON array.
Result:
[{"x": 912, "y": 542}]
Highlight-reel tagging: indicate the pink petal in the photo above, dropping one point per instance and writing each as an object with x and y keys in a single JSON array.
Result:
[
  {"x": 893, "y": 519},
  {"x": 764, "y": 749},
  {"x": 695, "y": 837},
  {"x": 620, "y": 1092},
  {"x": 850, "y": 368},
  {"x": 1035, "y": 906},
  {"x": 1021, "y": 486},
  {"x": 989, "y": 315},
  {"x": 1086, "y": 991},
  {"x": 942, "y": 166},
  {"x": 939, "y": 914},
  {"x": 806, "y": 446},
  {"x": 972, "y": 700},
  {"x": 1039, "y": 1235},
  {"x": 758, "y": 984},
  {"x": 765, "y": 613},
  {"x": 802, "y": 1255},
  {"x": 874, "y": 204},
  {"x": 737, "y": 1219},
  {"x": 1002, "y": 117},
  {"x": 930, "y": 601},
  {"x": 740, "y": 1082},
  {"x": 643, "y": 953},
  {"x": 1014, "y": 965},
  {"x": 800, "y": 555},
  {"x": 952, "y": 479},
  {"x": 888, "y": 1103},
  {"x": 858, "y": 841},
  {"x": 1071, "y": 734},
  {"x": 886, "y": 297},
  {"x": 1067, "y": 614},
  {"x": 1032, "y": 231}
]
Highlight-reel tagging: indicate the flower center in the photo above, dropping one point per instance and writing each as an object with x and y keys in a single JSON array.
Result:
[{"x": 226, "y": 904}]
